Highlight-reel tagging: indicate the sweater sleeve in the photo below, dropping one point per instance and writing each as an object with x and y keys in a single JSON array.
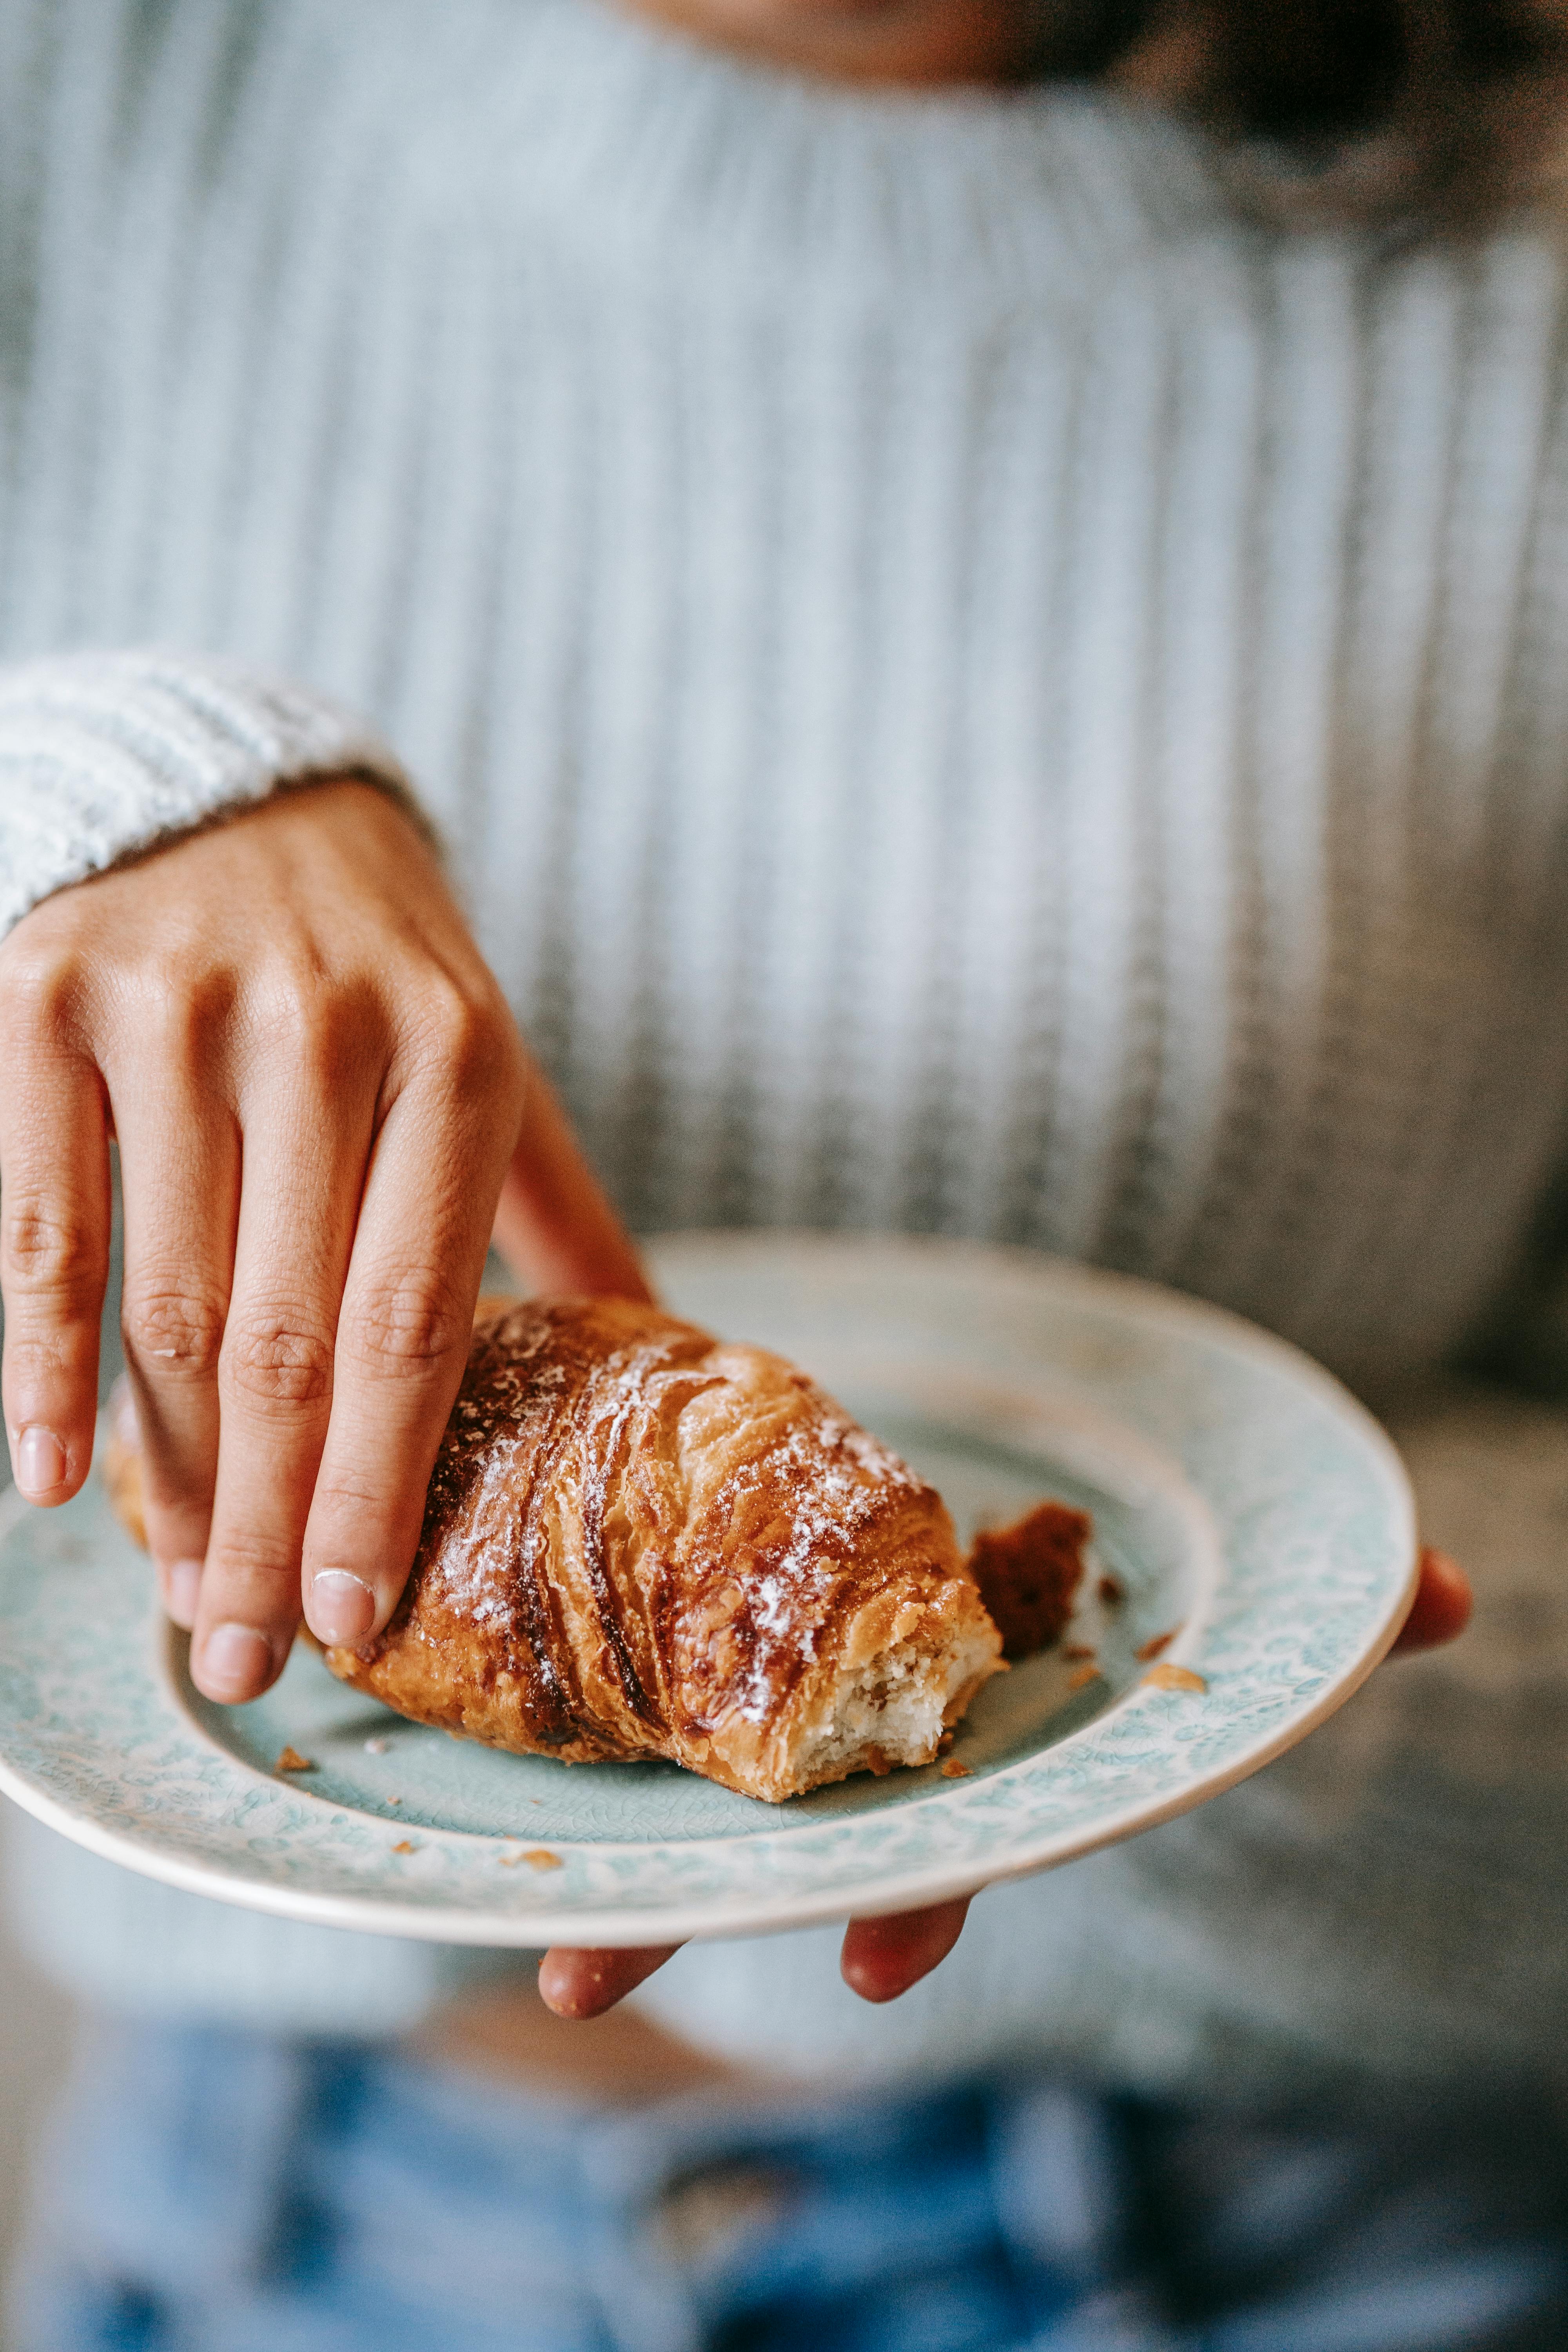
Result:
[{"x": 106, "y": 755}]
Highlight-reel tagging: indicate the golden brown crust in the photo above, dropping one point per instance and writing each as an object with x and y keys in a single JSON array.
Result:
[
  {"x": 121, "y": 1463},
  {"x": 640, "y": 1542}
]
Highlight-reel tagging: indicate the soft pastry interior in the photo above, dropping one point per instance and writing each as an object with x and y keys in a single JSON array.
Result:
[{"x": 641, "y": 1541}]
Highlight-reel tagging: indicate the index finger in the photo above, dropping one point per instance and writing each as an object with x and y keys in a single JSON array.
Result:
[
  {"x": 54, "y": 1264},
  {"x": 403, "y": 1342}
]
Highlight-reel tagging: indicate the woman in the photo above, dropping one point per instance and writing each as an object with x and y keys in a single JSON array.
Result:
[{"x": 972, "y": 680}]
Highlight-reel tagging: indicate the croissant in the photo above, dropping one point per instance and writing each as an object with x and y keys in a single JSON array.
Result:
[{"x": 642, "y": 1542}]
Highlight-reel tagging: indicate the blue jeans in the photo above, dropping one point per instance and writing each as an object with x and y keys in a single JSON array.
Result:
[{"x": 211, "y": 2191}]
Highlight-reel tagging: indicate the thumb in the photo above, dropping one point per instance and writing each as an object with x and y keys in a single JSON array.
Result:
[{"x": 554, "y": 1225}]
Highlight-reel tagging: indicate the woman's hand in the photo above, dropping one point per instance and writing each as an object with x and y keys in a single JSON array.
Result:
[
  {"x": 317, "y": 1089},
  {"x": 883, "y": 1958}
]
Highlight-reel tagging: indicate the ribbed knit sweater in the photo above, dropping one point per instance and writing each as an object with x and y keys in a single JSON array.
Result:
[{"x": 968, "y": 687}]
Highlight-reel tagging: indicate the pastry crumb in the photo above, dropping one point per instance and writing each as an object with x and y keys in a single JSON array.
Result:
[
  {"x": 1078, "y": 1649},
  {"x": 291, "y": 1761},
  {"x": 405, "y": 1845},
  {"x": 377, "y": 1747},
  {"x": 953, "y": 1770},
  {"x": 1111, "y": 1591},
  {"x": 1082, "y": 1676},
  {"x": 1029, "y": 1575},
  {"x": 1155, "y": 1643},
  {"x": 1175, "y": 1678},
  {"x": 394, "y": 1800}
]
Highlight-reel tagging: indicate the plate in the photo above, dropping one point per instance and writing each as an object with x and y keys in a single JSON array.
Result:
[{"x": 1243, "y": 1505}]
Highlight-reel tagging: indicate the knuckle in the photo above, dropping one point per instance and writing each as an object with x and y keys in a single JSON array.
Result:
[
  {"x": 42, "y": 987},
  {"x": 48, "y": 1257},
  {"x": 326, "y": 1028},
  {"x": 445, "y": 1017},
  {"x": 408, "y": 1325},
  {"x": 340, "y": 1495},
  {"x": 251, "y": 1556},
  {"x": 287, "y": 1004},
  {"x": 354, "y": 1522},
  {"x": 177, "y": 1004},
  {"x": 172, "y": 1332},
  {"x": 344, "y": 1030},
  {"x": 467, "y": 1038},
  {"x": 276, "y": 1360}
]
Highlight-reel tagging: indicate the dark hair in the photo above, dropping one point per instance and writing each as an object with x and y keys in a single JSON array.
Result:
[{"x": 1341, "y": 106}]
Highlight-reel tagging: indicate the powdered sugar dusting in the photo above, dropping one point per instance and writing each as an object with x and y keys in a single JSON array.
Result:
[
  {"x": 837, "y": 1478},
  {"x": 477, "y": 1559}
]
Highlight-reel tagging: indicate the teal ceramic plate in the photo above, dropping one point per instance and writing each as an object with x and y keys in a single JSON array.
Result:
[{"x": 1242, "y": 1501}]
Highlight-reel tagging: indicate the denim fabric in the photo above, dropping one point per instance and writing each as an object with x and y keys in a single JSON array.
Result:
[{"x": 208, "y": 2191}]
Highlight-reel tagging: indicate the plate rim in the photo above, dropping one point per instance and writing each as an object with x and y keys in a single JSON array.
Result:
[{"x": 722, "y": 1918}]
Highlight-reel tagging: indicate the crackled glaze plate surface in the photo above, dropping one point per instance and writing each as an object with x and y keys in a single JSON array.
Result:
[{"x": 1243, "y": 1504}]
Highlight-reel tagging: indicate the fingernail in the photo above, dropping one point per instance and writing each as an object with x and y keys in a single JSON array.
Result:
[
  {"x": 40, "y": 1460},
  {"x": 234, "y": 1660},
  {"x": 342, "y": 1608},
  {"x": 182, "y": 1590}
]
